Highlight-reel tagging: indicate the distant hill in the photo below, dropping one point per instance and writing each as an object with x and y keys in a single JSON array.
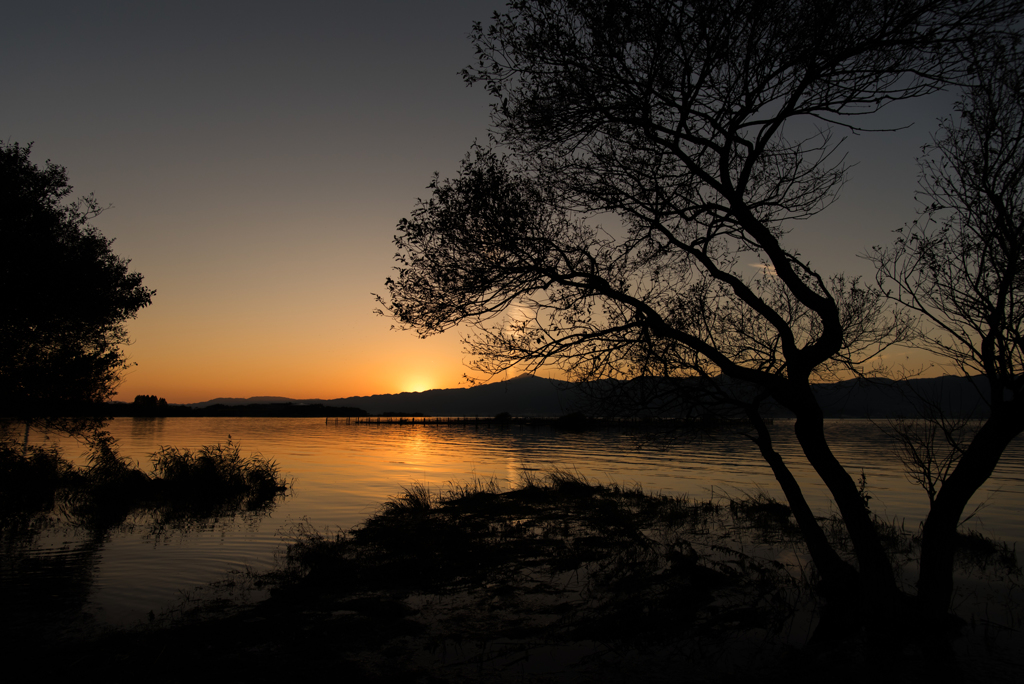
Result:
[
  {"x": 529, "y": 395},
  {"x": 526, "y": 395},
  {"x": 227, "y": 401},
  {"x": 953, "y": 395}
]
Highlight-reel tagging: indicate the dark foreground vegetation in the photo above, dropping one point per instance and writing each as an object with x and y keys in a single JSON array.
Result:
[
  {"x": 559, "y": 580},
  {"x": 149, "y": 405}
]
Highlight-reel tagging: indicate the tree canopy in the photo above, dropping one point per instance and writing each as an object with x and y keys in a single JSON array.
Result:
[
  {"x": 961, "y": 265},
  {"x": 705, "y": 128},
  {"x": 67, "y": 295}
]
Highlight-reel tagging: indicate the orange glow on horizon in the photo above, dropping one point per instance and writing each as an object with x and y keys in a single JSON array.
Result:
[
  {"x": 333, "y": 361},
  {"x": 192, "y": 387},
  {"x": 419, "y": 383},
  {"x": 378, "y": 362}
]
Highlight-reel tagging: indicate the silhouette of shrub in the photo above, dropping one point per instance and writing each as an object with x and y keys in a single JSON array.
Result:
[
  {"x": 186, "y": 487},
  {"x": 218, "y": 471}
]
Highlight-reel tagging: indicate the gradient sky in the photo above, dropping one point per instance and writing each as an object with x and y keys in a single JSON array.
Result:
[{"x": 258, "y": 155}]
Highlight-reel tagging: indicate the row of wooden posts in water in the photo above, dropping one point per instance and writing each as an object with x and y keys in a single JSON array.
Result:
[
  {"x": 431, "y": 420},
  {"x": 571, "y": 420}
]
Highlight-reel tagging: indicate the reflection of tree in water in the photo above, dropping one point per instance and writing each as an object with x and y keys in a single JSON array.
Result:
[
  {"x": 45, "y": 496},
  {"x": 146, "y": 429}
]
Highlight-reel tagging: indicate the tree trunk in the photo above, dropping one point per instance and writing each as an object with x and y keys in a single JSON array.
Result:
[
  {"x": 839, "y": 580},
  {"x": 938, "y": 537},
  {"x": 880, "y": 598},
  {"x": 836, "y": 574}
]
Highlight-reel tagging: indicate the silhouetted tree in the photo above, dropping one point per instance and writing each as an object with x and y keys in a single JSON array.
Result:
[
  {"x": 961, "y": 269},
  {"x": 148, "y": 405},
  {"x": 707, "y": 128},
  {"x": 66, "y": 297}
]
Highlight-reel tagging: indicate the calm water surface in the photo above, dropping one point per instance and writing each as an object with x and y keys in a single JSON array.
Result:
[{"x": 342, "y": 473}]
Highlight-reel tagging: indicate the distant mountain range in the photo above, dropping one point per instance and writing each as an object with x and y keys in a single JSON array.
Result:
[
  {"x": 529, "y": 395},
  {"x": 526, "y": 395}
]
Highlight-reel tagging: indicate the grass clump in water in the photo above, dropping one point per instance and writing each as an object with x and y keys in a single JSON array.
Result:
[
  {"x": 217, "y": 472},
  {"x": 185, "y": 487},
  {"x": 415, "y": 497}
]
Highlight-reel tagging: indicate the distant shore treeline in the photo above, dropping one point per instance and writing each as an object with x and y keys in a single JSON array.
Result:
[{"x": 253, "y": 410}]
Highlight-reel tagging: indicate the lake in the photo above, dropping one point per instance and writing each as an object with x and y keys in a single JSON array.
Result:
[{"x": 342, "y": 472}]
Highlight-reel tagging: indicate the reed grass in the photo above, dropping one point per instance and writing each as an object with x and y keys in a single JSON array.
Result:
[
  {"x": 978, "y": 551},
  {"x": 415, "y": 497},
  {"x": 217, "y": 471},
  {"x": 185, "y": 488},
  {"x": 475, "y": 488}
]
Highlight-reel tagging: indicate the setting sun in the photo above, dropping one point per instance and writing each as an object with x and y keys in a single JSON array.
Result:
[{"x": 417, "y": 383}]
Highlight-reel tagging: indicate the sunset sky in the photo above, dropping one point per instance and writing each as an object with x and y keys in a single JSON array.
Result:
[{"x": 258, "y": 155}]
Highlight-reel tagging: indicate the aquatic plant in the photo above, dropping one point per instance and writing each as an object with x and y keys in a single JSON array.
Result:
[
  {"x": 476, "y": 488},
  {"x": 217, "y": 471},
  {"x": 415, "y": 497},
  {"x": 106, "y": 464},
  {"x": 186, "y": 488}
]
